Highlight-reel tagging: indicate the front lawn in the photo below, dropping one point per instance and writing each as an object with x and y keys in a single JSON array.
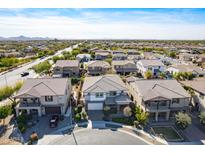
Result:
[
  {"x": 168, "y": 133},
  {"x": 125, "y": 121}
]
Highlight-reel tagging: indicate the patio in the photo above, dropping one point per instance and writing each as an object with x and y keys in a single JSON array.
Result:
[{"x": 42, "y": 127}]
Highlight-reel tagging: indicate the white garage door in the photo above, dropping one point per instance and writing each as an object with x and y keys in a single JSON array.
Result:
[{"x": 95, "y": 106}]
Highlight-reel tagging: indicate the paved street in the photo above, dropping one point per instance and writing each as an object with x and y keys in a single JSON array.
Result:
[
  {"x": 86, "y": 136},
  {"x": 12, "y": 77}
]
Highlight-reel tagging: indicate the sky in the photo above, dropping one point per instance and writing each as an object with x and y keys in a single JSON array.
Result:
[{"x": 180, "y": 24}]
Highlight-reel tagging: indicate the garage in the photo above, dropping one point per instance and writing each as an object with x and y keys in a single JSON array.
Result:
[
  {"x": 95, "y": 106},
  {"x": 53, "y": 110}
]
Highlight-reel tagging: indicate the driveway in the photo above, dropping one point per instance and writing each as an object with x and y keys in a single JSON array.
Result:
[
  {"x": 42, "y": 127},
  {"x": 95, "y": 115},
  {"x": 87, "y": 136}
]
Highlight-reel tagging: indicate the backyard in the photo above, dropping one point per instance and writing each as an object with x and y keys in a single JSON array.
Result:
[{"x": 168, "y": 133}]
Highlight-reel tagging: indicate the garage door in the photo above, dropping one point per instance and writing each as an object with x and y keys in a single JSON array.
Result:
[
  {"x": 53, "y": 110},
  {"x": 95, "y": 106}
]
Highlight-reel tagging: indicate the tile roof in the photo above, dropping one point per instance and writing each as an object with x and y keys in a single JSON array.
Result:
[
  {"x": 150, "y": 89},
  {"x": 67, "y": 63},
  {"x": 98, "y": 63},
  {"x": 38, "y": 87},
  {"x": 105, "y": 83},
  {"x": 151, "y": 62}
]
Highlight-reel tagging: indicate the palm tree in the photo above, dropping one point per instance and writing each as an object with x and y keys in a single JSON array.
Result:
[
  {"x": 182, "y": 120},
  {"x": 202, "y": 118}
]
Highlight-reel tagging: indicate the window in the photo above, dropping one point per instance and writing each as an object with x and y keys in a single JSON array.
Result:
[
  {"x": 48, "y": 98},
  {"x": 113, "y": 93},
  {"x": 175, "y": 100},
  {"x": 24, "y": 99},
  {"x": 99, "y": 95}
]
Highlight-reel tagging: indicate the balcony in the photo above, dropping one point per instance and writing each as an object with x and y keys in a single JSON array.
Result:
[{"x": 29, "y": 104}]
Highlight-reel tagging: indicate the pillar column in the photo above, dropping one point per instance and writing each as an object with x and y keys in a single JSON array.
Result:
[
  {"x": 39, "y": 112},
  {"x": 156, "y": 116},
  {"x": 17, "y": 112},
  {"x": 167, "y": 115},
  {"x": 28, "y": 111}
]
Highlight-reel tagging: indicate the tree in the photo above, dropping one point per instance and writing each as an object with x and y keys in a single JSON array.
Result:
[
  {"x": 162, "y": 75},
  {"x": 202, "y": 118},
  {"x": 42, "y": 67},
  {"x": 5, "y": 111},
  {"x": 127, "y": 111},
  {"x": 141, "y": 116},
  {"x": 148, "y": 74},
  {"x": 172, "y": 54},
  {"x": 182, "y": 120}
]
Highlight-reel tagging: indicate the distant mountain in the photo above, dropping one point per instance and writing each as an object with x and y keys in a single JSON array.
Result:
[{"x": 23, "y": 38}]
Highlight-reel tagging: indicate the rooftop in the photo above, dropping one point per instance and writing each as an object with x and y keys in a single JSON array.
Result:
[
  {"x": 67, "y": 63},
  {"x": 150, "y": 89},
  {"x": 37, "y": 87},
  {"x": 105, "y": 83}
]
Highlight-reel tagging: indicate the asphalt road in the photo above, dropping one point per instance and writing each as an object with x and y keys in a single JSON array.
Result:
[
  {"x": 12, "y": 77},
  {"x": 98, "y": 137}
]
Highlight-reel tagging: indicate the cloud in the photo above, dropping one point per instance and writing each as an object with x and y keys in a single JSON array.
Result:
[{"x": 101, "y": 25}]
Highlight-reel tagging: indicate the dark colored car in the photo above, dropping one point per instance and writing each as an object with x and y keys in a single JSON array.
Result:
[
  {"x": 54, "y": 121},
  {"x": 24, "y": 74}
]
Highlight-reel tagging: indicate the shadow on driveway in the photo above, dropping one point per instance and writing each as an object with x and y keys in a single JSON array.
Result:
[{"x": 42, "y": 127}]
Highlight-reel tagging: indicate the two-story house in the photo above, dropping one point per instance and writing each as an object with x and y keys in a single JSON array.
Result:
[
  {"x": 182, "y": 68},
  {"x": 124, "y": 66},
  {"x": 153, "y": 65},
  {"x": 162, "y": 99},
  {"x": 98, "y": 67},
  {"x": 66, "y": 68},
  {"x": 106, "y": 90},
  {"x": 44, "y": 96},
  {"x": 198, "y": 87}
]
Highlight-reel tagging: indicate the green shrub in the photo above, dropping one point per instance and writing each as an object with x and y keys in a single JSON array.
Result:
[
  {"x": 182, "y": 120},
  {"x": 84, "y": 115},
  {"x": 22, "y": 127},
  {"x": 79, "y": 107},
  {"x": 78, "y": 117},
  {"x": 42, "y": 67},
  {"x": 7, "y": 91},
  {"x": 22, "y": 119},
  {"x": 75, "y": 80}
]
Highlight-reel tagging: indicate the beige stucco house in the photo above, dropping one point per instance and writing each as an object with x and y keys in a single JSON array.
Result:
[
  {"x": 160, "y": 98},
  {"x": 44, "y": 96},
  {"x": 66, "y": 68}
]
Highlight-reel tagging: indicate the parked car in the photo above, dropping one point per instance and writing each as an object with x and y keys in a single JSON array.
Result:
[
  {"x": 54, "y": 121},
  {"x": 24, "y": 74}
]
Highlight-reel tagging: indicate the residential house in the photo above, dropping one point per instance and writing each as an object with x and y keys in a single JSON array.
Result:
[
  {"x": 102, "y": 55},
  {"x": 198, "y": 87},
  {"x": 107, "y": 90},
  {"x": 155, "y": 66},
  {"x": 66, "y": 68},
  {"x": 148, "y": 55},
  {"x": 119, "y": 56},
  {"x": 133, "y": 52},
  {"x": 98, "y": 67},
  {"x": 124, "y": 67},
  {"x": 188, "y": 57},
  {"x": 83, "y": 57},
  {"x": 44, "y": 96},
  {"x": 195, "y": 70},
  {"x": 160, "y": 98},
  {"x": 201, "y": 59},
  {"x": 134, "y": 58}
]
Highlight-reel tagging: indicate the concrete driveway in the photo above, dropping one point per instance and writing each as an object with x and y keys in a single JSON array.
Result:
[{"x": 42, "y": 127}]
